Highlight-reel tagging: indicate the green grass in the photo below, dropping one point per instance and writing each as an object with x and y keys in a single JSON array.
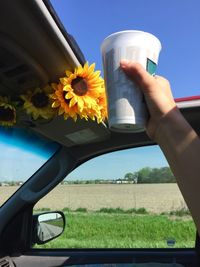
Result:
[
  {"x": 181, "y": 212},
  {"x": 110, "y": 210},
  {"x": 123, "y": 230},
  {"x": 81, "y": 210},
  {"x": 122, "y": 211},
  {"x": 42, "y": 210}
]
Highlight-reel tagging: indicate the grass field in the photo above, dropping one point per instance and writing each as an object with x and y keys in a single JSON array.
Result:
[
  {"x": 132, "y": 215},
  {"x": 155, "y": 198},
  {"x": 101, "y": 230}
]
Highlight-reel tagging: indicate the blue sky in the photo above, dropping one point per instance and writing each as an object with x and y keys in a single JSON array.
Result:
[
  {"x": 115, "y": 165},
  {"x": 22, "y": 154},
  {"x": 174, "y": 22},
  {"x": 19, "y": 163}
]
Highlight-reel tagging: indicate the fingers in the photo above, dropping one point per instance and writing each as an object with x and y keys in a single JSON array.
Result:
[{"x": 138, "y": 74}]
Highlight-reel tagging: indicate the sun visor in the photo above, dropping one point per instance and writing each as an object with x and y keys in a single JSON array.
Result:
[{"x": 70, "y": 133}]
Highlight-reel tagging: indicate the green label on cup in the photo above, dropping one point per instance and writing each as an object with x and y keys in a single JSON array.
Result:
[{"x": 151, "y": 67}]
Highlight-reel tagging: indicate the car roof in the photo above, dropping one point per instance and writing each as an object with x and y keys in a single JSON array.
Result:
[
  {"x": 35, "y": 50},
  {"x": 32, "y": 38}
]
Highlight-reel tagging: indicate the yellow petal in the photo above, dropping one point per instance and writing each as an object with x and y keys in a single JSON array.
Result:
[
  {"x": 53, "y": 96},
  {"x": 55, "y": 104},
  {"x": 64, "y": 80},
  {"x": 68, "y": 73},
  {"x": 67, "y": 87},
  {"x": 75, "y": 118},
  {"x": 79, "y": 70},
  {"x": 80, "y": 104},
  {"x": 60, "y": 111},
  {"x": 95, "y": 76},
  {"x": 69, "y": 95},
  {"x": 66, "y": 116},
  {"x": 91, "y": 68},
  {"x": 86, "y": 66},
  {"x": 89, "y": 102},
  {"x": 35, "y": 116},
  {"x": 72, "y": 102}
]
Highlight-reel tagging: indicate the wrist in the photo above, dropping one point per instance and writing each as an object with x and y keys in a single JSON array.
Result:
[{"x": 171, "y": 127}]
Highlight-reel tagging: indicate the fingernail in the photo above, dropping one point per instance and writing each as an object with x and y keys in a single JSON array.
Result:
[{"x": 124, "y": 63}]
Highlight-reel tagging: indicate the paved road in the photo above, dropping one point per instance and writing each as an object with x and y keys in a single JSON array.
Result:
[{"x": 48, "y": 231}]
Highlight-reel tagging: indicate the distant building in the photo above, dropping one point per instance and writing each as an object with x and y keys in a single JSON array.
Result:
[
  {"x": 122, "y": 181},
  {"x": 4, "y": 184}
]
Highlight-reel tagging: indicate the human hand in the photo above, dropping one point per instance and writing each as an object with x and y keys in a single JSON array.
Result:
[{"x": 156, "y": 91}]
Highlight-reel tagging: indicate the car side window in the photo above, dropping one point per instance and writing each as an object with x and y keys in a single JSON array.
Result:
[{"x": 124, "y": 199}]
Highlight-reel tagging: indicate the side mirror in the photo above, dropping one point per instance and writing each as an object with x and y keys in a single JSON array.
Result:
[{"x": 47, "y": 226}]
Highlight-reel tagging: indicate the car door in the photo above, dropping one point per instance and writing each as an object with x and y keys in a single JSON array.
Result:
[{"x": 108, "y": 221}]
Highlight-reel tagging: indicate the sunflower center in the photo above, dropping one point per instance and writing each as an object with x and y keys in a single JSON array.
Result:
[
  {"x": 40, "y": 100},
  {"x": 7, "y": 114},
  {"x": 79, "y": 86}
]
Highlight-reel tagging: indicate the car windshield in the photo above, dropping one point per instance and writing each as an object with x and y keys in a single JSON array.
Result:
[{"x": 22, "y": 153}]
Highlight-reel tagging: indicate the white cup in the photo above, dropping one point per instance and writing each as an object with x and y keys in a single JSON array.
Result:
[{"x": 126, "y": 106}]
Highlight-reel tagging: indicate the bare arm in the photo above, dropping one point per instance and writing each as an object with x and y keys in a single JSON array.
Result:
[{"x": 166, "y": 126}]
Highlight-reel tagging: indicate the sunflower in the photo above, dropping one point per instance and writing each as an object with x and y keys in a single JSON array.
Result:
[
  {"x": 7, "y": 112},
  {"x": 60, "y": 102},
  {"x": 80, "y": 92},
  {"x": 102, "y": 103},
  {"x": 37, "y": 103}
]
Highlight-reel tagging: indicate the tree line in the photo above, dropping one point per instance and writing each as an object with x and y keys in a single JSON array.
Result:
[
  {"x": 143, "y": 176},
  {"x": 151, "y": 175}
]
